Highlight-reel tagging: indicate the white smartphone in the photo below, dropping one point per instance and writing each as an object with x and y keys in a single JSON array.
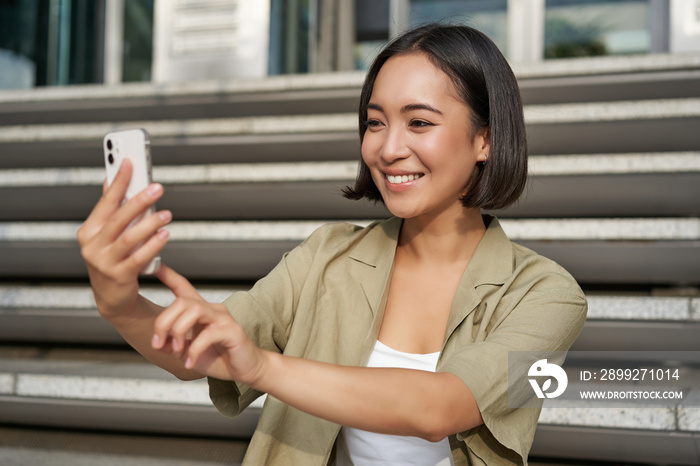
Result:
[{"x": 135, "y": 145}]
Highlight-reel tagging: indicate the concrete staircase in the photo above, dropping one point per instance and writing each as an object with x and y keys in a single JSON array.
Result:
[{"x": 252, "y": 167}]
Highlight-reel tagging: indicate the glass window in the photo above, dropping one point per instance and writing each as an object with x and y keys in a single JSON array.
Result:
[
  {"x": 371, "y": 30},
  {"x": 580, "y": 28},
  {"x": 50, "y": 42},
  {"x": 20, "y": 35},
  {"x": 290, "y": 21},
  {"x": 488, "y": 16},
  {"x": 137, "y": 47},
  {"x": 373, "y": 18}
]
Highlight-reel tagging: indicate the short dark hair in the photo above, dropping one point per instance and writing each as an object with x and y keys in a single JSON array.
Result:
[{"x": 485, "y": 82}]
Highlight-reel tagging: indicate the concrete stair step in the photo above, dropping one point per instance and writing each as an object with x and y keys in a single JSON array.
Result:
[
  {"x": 67, "y": 314},
  {"x": 590, "y": 445},
  {"x": 223, "y": 140},
  {"x": 553, "y": 81},
  {"x": 588, "y": 128},
  {"x": 594, "y": 250},
  {"x": 609, "y": 79},
  {"x": 647, "y": 184},
  {"x": 109, "y": 390},
  {"x": 640, "y": 323},
  {"x": 302, "y": 190},
  {"x": 273, "y": 95},
  {"x": 62, "y": 447}
]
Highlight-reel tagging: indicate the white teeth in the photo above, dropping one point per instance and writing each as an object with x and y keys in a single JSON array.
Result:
[{"x": 402, "y": 178}]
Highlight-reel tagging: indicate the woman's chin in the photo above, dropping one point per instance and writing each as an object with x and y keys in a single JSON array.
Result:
[{"x": 403, "y": 212}]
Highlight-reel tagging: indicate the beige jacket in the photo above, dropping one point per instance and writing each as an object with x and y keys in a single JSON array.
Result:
[{"x": 324, "y": 301}]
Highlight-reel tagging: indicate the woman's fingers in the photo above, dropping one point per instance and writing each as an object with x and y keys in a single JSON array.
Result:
[
  {"x": 228, "y": 347},
  {"x": 205, "y": 336},
  {"x": 107, "y": 205},
  {"x": 144, "y": 254},
  {"x": 165, "y": 321},
  {"x": 139, "y": 233},
  {"x": 184, "y": 319},
  {"x": 178, "y": 320},
  {"x": 179, "y": 285},
  {"x": 183, "y": 328},
  {"x": 198, "y": 354},
  {"x": 121, "y": 219}
]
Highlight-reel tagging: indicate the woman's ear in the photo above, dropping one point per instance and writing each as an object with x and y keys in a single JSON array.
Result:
[{"x": 482, "y": 144}]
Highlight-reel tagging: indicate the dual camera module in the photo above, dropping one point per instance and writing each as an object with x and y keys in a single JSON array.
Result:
[{"x": 110, "y": 157}]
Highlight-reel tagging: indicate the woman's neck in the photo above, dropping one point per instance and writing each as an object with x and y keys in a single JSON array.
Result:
[{"x": 446, "y": 239}]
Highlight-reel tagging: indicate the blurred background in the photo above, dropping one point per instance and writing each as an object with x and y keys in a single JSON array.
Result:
[{"x": 250, "y": 105}]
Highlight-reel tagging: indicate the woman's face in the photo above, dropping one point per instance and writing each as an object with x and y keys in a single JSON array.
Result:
[{"x": 420, "y": 145}]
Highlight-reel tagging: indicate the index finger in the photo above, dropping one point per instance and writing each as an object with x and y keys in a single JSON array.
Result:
[
  {"x": 179, "y": 285},
  {"x": 112, "y": 195},
  {"x": 109, "y": 202}
]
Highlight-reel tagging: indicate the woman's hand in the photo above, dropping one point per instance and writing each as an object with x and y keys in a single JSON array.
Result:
[
  {"x": 205, "y": 335},
  {"x": 108, "y": 247}
]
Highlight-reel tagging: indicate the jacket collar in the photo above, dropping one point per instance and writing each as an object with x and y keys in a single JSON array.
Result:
[
  {"x": 491, "y": 264},
  {"x": 375, "y": 253}
]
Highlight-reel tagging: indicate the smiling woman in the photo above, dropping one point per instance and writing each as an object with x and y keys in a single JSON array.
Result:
[{"x": 386, "y": 344}]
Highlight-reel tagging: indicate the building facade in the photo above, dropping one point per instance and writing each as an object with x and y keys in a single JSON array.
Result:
[{"x": 62, "y": 42}]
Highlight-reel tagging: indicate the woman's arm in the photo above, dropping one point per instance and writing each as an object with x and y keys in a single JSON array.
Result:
[
  {"x": 393, "y": 401},
  {"x": 113, "y": 264},
  {"x": 383, "y": 400}
]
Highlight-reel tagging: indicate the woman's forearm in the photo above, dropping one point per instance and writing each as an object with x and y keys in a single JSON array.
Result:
[
  {"x": 383, "y": 400},
  {"x": 137, "y": 330}
]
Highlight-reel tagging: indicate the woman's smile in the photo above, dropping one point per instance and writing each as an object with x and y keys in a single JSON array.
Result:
[{"x": 402, "y": 179}]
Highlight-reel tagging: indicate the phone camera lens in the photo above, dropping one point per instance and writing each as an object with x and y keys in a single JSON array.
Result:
[
  {"x": 109, "y": 144},
  {"x": 110, "y": 158}
]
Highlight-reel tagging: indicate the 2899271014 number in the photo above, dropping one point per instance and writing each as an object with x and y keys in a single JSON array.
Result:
[{"x": 639, "y": 374}]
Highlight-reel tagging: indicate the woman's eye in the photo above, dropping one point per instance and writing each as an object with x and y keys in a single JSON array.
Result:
[
  {"x": 420, "y": 124},
  {"x": 373, "y": 124}
]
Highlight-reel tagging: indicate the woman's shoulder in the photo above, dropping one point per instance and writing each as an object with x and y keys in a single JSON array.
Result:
[
  {"x": 336, "y": 236},
  {"x": 545, "y": 274},
  {"x": 502, "y": 260},
  {"x": 541, "y": 273}
]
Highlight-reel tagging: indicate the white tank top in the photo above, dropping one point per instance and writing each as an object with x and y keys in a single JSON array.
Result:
[{"x": 361, "y": 448}]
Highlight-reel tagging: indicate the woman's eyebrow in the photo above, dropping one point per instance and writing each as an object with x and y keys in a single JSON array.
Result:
[
  {"x": 406, "y": 108},
  {"x": 411, "y": 107}
]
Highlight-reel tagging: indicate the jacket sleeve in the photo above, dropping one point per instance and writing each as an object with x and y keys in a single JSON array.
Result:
[
  {"x": 542, "y": 316},
  {"x": 266, "y": 312}
]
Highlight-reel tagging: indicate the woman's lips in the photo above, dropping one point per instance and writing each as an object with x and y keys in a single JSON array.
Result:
[{"x": 398, "y": 179}]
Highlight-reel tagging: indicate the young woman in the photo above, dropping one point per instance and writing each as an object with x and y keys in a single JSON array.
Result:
[{"x": 400, "y": 331}]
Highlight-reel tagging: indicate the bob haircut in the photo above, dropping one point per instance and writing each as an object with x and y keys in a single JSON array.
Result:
[{"x": 485, "y": 82}]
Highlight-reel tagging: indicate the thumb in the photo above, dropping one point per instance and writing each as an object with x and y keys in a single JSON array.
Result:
[{"x": 178, "y": 284}]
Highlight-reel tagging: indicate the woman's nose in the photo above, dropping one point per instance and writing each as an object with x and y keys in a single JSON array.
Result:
[{"x": 395, "y": 146}]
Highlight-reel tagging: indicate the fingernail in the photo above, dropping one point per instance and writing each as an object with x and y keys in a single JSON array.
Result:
[
  {"x": 176, "y": 345},
  {"x": 163, "y": 234},
  {"x": 188, "y": 363},
  {"x": 165, "y": 215},
  {"x": 155, "y": 189},
  {"x": 155, "y": 341}
]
